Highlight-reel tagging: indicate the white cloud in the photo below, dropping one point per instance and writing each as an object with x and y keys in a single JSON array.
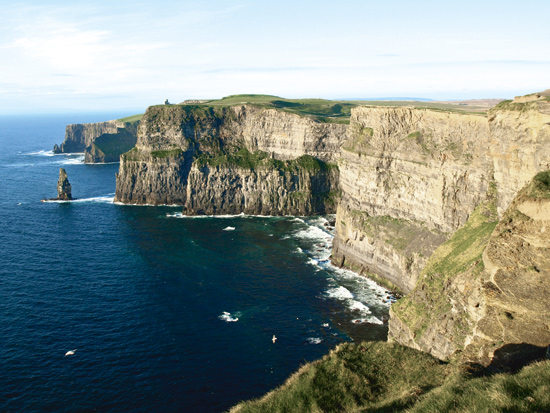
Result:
[{"x": 65, "y": 48}]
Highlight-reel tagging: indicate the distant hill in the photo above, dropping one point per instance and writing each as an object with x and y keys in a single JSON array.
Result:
[{"x": 401, "y": 99}]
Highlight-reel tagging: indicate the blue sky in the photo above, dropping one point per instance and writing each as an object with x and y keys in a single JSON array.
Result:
[{"x": 102, "y": 55}]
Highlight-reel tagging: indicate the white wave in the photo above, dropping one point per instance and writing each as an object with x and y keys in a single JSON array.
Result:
[
  {"x": 340, "y": 293},
  {"x": 228, "y": 318},
  {"x": 360, "y": 307},
  {"x": 370, "y": 320},
  {"x": 18, "y": 165},
  {"x": 43, "y": 152},
  {"x": 229, "y": 229},
  {"x": 241, "y": 215},
  {"x": 72, "y": 160},
  {"x": 314, "y": 340},
  {"x": 324, "y": 325},
  {"x": 148, "y": 205},
  {"x": 107, "y": 199},
  {"x": 313, "y": 233}
]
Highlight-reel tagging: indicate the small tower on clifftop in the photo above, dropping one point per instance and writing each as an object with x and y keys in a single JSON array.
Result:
[{"x": 166, "y": 102}]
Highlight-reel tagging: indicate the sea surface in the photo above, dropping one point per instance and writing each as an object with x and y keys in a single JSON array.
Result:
[{"x": 164, "y": 312}]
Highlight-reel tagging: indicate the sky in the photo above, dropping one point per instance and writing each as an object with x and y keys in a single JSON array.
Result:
[{"x": 76, "y": 55}]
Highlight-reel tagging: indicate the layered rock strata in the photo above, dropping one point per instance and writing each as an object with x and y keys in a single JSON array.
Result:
[
  {"x": 101, "y": 142},
  {"x": 219, "y": 160},
  {"x": 423, "y": 169},
  {"x": 429, "y": 169},
  {"x": 485, "y": 292}
]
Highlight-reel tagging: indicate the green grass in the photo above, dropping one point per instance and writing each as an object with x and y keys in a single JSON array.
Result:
[
  {"x": 321, "y": 110},
  {"x": 388, "y": 377},
  {"x": 353, "y": 377},
  {"x": 526, "y": 391},
  {"x": 131, "y": 119},
  {"x": 516, "y": 106},
  {"x": 243, "y": 158},
  {"x": 539, "y": 186},
  {"x": 115, "y": 143}
]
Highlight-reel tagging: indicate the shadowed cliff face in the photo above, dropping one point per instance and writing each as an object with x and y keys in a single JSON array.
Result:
[
  {"x": 496, "y": 297},
  {"x": 100, "y": 142},
  {"x": 231, "y": 160}
]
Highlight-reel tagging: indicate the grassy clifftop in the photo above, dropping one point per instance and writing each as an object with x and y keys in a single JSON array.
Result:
[{"x": 378, "y": 377}]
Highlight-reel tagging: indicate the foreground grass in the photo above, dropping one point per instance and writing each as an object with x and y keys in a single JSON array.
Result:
[
  {"x": 376, "y": 375},
  {"x": 379, "y": 376}
]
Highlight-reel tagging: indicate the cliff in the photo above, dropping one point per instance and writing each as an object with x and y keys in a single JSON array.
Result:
[
  {"x": 486, "y": 289},
  {"x": 411, "y": 177},
  {"x": 232, "y": 159},
  {"x": 100, "y": 142},
  {"x": 418, "y": 194}
]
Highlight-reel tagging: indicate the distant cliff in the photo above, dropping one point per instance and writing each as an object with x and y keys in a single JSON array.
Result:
[
  {"x": 234, "y": 159},
  {"x": 100, "y": 142}
]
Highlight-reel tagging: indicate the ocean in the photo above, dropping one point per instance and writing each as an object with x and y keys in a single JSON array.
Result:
[{"x": 164, "y": 312}]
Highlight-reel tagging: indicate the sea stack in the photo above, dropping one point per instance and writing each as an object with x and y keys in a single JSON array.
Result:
[{"x": 63, "y": 186}]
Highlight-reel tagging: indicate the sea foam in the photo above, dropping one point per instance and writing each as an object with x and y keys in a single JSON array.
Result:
[{"x": 227, "y": 317}]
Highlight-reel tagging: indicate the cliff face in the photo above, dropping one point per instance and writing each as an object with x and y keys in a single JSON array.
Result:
[
  {"x": 423, "y": 170},
  {"x": 485, "y": 290},
  {"x": 100, "y": 142},
  {"x": 519, "y": 146},
  {"x": 426, "y": 171},
  {"x": 231, "y": 160}
]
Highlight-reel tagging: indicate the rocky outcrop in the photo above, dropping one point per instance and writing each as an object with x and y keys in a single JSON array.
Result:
[
  {"x": 100, "y": 142},
  {"x": 485, "y": 292},
  {"x": 63, "y": 188},
  {"x": 232, "y": 159}
]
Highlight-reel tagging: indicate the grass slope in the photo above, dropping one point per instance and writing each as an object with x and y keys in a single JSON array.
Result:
[{"x": 379, "y": 376}]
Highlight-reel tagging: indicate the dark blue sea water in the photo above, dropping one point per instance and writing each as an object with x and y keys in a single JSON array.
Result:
[{"x": 166, "y": 312}]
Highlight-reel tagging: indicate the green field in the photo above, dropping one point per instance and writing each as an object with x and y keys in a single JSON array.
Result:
[{"x": 334, "y": 111}]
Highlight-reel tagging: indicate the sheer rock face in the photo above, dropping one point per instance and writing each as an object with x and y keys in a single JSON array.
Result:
[
  {"x": 231, "y": 160},
  {"x": 81, "y": 135},
  {"x": 101, "y": 142},
  {"x": 430, "y": 169},
  {"x": 424, "y": 168},
  {"x": 63, "y": 186},
  {"x": 496, "y": 307},
  {"x": 519, "y": 146}
]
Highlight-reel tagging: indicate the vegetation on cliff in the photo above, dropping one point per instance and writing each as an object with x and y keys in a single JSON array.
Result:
[
  {"x": 433, "y": 298},
  {"x": 377, "y": 376},
  {"x": 243, "y": 158}
]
